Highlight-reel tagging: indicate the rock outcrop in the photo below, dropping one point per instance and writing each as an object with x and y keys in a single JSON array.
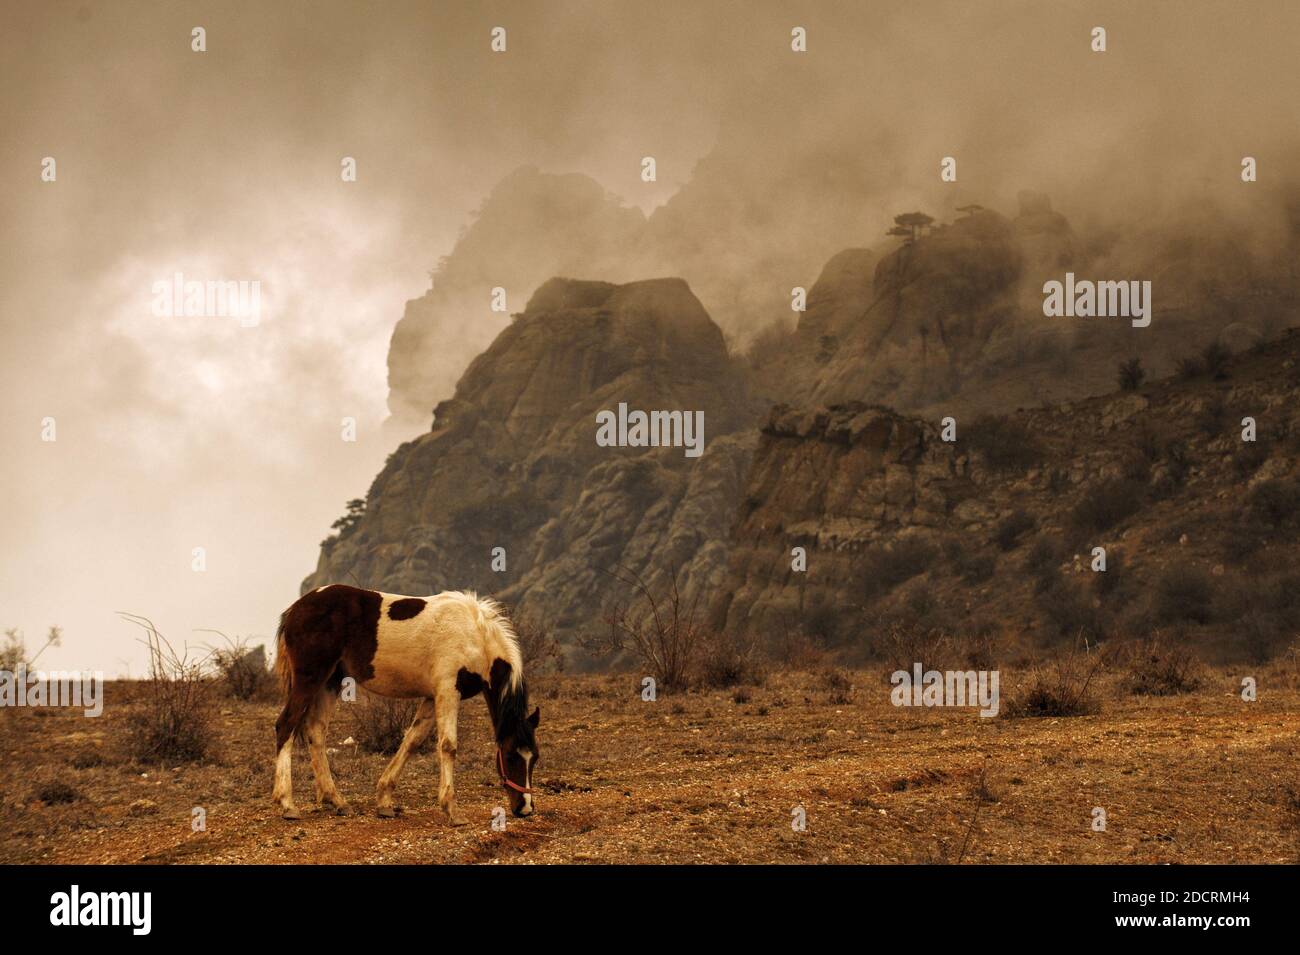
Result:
[
  {"x": 995, "y": 531},
  {"x": 832, "y": 481},
  {"x": 511, "y": 494},
  {"x": 512, "y": 462}
]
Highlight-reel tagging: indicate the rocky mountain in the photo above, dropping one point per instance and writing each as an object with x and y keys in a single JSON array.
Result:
[
  {"x": 512, "y": 461},
  {"x": 1191, "y": 485},
  {"x": 952, "y": 321},
  {"x": 718, "y": 232},
  {"x": 511, "y": 493}
]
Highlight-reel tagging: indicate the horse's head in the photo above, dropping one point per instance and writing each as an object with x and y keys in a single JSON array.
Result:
[
  {"x": 516, "y": 733},
  {"x": 517, "y": 757}
]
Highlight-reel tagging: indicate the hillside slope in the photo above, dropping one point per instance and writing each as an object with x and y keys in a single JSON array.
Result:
[{"x": 994, "y": 532}]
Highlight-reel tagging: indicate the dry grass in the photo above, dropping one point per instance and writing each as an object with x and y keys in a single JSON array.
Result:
[
  {"x": 378, "y": 723},
  {"x": 174, "y": 724},
  {"x": 1199, "y": 777}
]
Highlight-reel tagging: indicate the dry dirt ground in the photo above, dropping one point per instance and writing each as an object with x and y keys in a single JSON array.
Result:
[{"x": 701, "y": 777}]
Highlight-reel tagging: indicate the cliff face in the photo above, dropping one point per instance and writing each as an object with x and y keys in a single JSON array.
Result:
[
  {"x": 921, "y": 323},
  {"x": 720, "y": 232},
  {"x": 995, "y": 532},
  {"x": 512, "y": 461},
  {"x": 953, "y": 321},
  {"x": 831, "y": 481},
  {"x": 511, "y": 494}
]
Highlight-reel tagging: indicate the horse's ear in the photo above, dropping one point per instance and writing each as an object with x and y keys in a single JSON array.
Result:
[{"x": 535, "y": 718}]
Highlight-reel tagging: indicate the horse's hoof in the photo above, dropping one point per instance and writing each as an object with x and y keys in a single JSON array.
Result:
[
  {"x": 458, "y": 820},
  {"x": 342, "y": 810},
  {"x": 386, "y": 812},
  {"x": 291, "y": 814}
]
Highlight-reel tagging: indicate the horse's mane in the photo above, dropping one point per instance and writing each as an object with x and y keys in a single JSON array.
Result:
[
  {"x": 512, "y": 698},
  {"x": 494, "y": 624},
  {"x": 512, "y": 713}
]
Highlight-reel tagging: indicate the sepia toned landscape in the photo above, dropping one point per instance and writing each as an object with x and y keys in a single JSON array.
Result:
[
  {"x": 867, "y": 435},
  {"x": 708, "y": 777}
]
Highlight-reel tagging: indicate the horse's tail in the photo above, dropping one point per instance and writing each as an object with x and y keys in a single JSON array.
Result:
[{"x": 283, "y": 666}]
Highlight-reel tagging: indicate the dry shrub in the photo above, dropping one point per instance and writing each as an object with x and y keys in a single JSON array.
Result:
[
  {"x": 1159, "y": 667},
  {"x": 1111, "y": 580},
  {"x": 1190, "y": 367},
  {"x": 379, "y": 722},
  {"x": 664, "y": 633},
  {"x": 1215, "y": 359},
  {"x": 838, "y": 686},
  {"x": 1105, "y": 504},
  {"x": 1275, "y": 503},
  {"x": 1010, "y": 530},
  {"x": 725, "y": 660},
  {"x": 971, "y": 565},
  {"x": 57, "y": 792},
  {"x": 1068, "y": 611},
  {"x": 1062, "y": 687},
  {"x": 242, "y": 668},
  {"x": 541, "y": 652},
  {"x": 88, "y": 759},
  {"x": 881, "y": 568},
  {"x": 172, "y": 720},
  {"x": 1130, "y": 374},
  {"x": 821, "y": 620},
  {"x": 13, "y": 652},
  {"x": 1005, "y": 444},
  {"x": 796, "y": 651},
  {"x": 1043, "y": 561},
  {"x": 1183, "y": 592},
  {"x": 902, "y": 645}
]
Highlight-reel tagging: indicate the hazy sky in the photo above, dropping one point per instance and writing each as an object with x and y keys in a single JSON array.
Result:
[{"x": 176, "y": 433}]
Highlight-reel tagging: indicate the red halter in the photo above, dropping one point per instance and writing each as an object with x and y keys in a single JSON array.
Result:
[{"x": 501, "y": 768}]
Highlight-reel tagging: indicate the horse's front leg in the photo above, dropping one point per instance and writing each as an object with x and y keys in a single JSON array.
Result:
[
  {"x": 448, "y": 707},
  {"x": 416, "y": 735}
]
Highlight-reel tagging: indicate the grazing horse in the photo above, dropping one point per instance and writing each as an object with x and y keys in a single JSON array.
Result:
[{"x": 439, "y": 649}]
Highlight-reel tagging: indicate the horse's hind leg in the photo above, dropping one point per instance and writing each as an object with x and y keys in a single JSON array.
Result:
[
  {"x": 416, "y": 735},
  {"x": 291, "y": 717},
  {"x": 317, "y": 725}
]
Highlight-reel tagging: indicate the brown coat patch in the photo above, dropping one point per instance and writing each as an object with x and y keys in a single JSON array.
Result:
[
  {"x": 325, "y": 636},
  {"x": 406, "y": 608},
  {"x": 468, "y": 683},
  {"x": 331, "y": 630}
]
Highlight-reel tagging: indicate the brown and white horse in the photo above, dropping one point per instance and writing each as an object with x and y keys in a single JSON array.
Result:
[{"x": 439, "y": 649}]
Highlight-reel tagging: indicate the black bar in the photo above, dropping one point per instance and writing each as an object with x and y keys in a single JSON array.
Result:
[{"x": 565, "y": 903}]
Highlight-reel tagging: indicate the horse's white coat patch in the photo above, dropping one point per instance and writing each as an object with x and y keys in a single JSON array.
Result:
[
  {"x": 423, "y": 654},
  {"x": 528, "y": 757}
]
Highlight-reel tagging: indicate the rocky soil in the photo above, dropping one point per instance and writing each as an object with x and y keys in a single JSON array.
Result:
[{"x": 704, "y": 777}]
